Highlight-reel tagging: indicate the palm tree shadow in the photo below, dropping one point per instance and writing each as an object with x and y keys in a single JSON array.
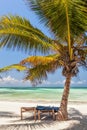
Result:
[
  {"x": 81, "y": 119},
  {"x": 47, "y": 121},
  {"x": 27, "y": 126},
  {"x": 29, "y": 123},
  {"x": 8, "y": 114}
]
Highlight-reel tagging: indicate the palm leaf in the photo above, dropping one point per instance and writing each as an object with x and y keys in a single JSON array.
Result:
[
  {"x": 38, "y": 60},
  {"x": 53, "y": 13},
  {"x": 39, "y": 71},
  {"x": 14, "y": 66},
  {"x": 66, "y": 18},
  {"x": 17, "y": 32}
]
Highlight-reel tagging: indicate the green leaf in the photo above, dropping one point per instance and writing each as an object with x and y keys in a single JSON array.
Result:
[
  {"x": 53, "y": 14},
  {"x": 14, "y": 66},
  {"x": 18, "y": 33}
]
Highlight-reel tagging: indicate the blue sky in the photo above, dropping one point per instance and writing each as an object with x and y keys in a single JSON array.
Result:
[{"x": 13, "y": 78}]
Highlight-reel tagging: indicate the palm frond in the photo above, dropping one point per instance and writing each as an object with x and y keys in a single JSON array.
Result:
[
  {"x": 41, "y": 67},
  {"x": 14, "y": 66},
  {"x": 17, "y": 32},
  {"x": 53, "y": 13},
  {"x": 38, "y": 60},
  {"x": 57, "y": 47}
]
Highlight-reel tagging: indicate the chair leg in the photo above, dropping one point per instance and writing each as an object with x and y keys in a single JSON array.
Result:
[
  {"x": 53, "y": 113},
  {"x": 35, "y": 114},
  {"x": 39, "y": 114},
  {"x": 21, "y": 114}
]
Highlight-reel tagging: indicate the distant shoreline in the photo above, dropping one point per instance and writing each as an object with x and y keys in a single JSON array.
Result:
[{"x": 50, "y": 87}]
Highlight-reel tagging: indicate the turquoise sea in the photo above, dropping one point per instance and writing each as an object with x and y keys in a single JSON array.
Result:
[{"x": 42, "y": 93}]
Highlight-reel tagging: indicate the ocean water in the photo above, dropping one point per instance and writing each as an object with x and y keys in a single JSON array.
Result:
[{"x": 42, "y": 93}]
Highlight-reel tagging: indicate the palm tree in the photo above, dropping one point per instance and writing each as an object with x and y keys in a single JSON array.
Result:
[{"x": 67, "y": 19}]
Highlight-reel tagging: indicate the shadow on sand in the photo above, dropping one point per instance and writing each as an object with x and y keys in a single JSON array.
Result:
[
  {"x": 82, "y": 120},
  {"x": 47, "y": 123},
  {"x": 7, "y": 114}
]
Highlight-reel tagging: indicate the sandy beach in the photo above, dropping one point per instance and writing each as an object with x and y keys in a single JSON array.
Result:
[{"x": 10, "y": 117}]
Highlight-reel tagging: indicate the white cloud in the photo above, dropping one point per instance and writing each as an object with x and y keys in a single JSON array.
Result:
[
  {"x": 73, "y": 82},
  {"x": 58, "y": 82},
  {"x": 46, "y": 82},
  {"x": 62, "y": 82},
  {"x": 10, "y": 81},
  {"x": 81, "y": 82}
]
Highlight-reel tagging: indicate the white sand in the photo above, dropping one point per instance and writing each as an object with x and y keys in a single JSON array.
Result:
[{"x": 10, "y": 117}]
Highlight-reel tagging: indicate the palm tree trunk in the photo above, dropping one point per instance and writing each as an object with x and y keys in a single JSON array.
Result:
[{"x": 62, "y": 113}]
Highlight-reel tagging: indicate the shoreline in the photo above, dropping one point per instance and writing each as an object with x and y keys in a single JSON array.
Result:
[{"x": 40, "y": 101}]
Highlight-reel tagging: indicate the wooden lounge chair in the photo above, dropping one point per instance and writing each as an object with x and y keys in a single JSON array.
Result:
[
  {"x": 28, "y": 109},
  {"x": 46, "y": 109}
]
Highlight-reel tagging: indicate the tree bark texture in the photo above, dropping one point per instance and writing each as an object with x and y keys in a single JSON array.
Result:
[{"x": 62, "y": 113}]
